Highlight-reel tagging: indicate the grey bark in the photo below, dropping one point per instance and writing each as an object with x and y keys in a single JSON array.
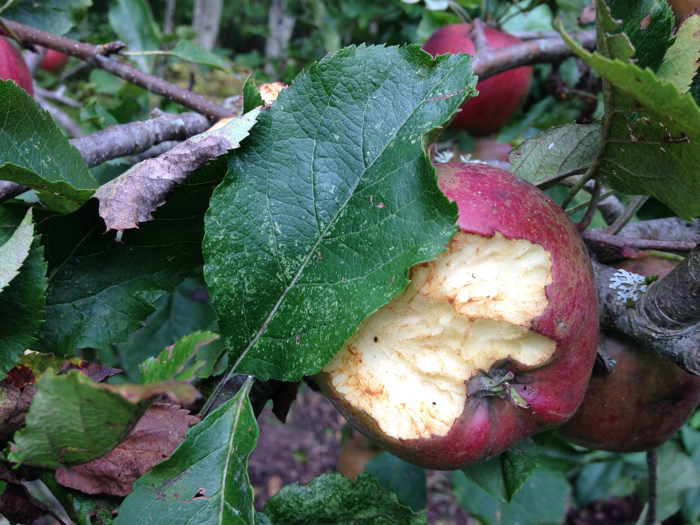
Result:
[
  {"x": 206, "y": 21},
  {"x": 280, "y": 25}
]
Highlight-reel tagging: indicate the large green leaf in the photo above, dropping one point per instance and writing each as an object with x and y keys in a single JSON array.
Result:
[
  {"x": 205, "y": 481},
  {"x": 22, "y": 301},
  {"x": 34, "y": 152},
  {"x": 101, "y": 290},
  {"x": 74, "y": 419},
  {"x": 542, "y": 500},
  {"x": 503, "y": 476},
  {"x": 407, "y": 481},
  {"x": 133, "y": 23},
  {"x": 657, "y": 153},
  {"x": 333, "y": 498},
  {"x": 328, "y": 203},
  {"x": 52, "y": 16}
]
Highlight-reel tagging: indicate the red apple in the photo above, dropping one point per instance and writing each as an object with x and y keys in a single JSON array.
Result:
[
  {"x": 499, "y": 96},
  {"x": 13, "y": 66},
  {"x": 683, "y": 8},
  {"x": 646, "y": 399},
  {"x": 53, "y": 60},
  {"x": 491, "y": 342}
]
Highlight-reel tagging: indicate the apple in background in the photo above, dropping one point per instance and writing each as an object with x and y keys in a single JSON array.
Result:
[
  {"x": 499, "y": 96},
  {"x": 53, "y": 60},
  {"x": 491, "y": 342},
  {"x": 644, "y": 402},
  {"x": 683, "y": 8},
  {"x": 13, "y": 66}
]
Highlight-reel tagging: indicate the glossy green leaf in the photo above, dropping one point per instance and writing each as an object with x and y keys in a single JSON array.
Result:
[
  {"x": 407, "y": 481},
  {"x": 172, "y": 362},
  {"x": 205, "y": 481},
  {"x": 35, "y": 153},
  {"x": 251, "y": 96},
  {"x": 328, "y": 203},
  {"x": 557, "y": 153},
  {"x": 52, "y": 16},
  {"x": 22, "y": 301},
  {"x": 178, "y": 313},
  {"x": 681, "y": 60},
  {"x": 133, "y": 23},
  {"x": 503, "y": 476},
  {"x": 82, "y": 509},
  {"x": 542, "y": 500},
  {"x": 101, "y": 290},
  {"x": 333, "y": 498},
  {"x": 74, "y": 420},
  {"x": 15, "y": 250}
]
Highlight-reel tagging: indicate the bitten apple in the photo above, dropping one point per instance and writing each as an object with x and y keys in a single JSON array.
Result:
[
  {"x": 491, "y": 342},
  {"x": 499, "y": 96},
  {"x": 13, "y": 66},
  {"x": 646, "y": 399}
]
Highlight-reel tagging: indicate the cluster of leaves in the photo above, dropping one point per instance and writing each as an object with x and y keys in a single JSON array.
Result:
[{"x": 297, "y": 251}]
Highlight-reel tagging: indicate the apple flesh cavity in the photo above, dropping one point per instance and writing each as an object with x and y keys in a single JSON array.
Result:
[
  {"x": 500, "y": 96},
  {"x": 491, "y": 342},
  {"x": 646, "y": 399},
  {"x": 13, "y": 66},
  {"x": 53, "y": 60}
]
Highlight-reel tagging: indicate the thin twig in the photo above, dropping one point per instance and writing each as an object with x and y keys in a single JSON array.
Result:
[
  {"x": 585, "y": 205},
  {"x": 653, "y": 469},
  {"x": 592, "y": 206},
  {"x": 66, "y": 122},
  {"x": 58, "y": 96},
  {"x": 95, "y": 55},
  {"x": 632, "y": 208},
  {"x": 590, "y": 173}
]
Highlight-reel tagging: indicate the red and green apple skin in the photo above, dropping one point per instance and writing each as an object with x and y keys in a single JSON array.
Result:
[
  {"x": 500, "y": 96},
  {"x": 13, "y": 66},
  {"x": 646, "y": 399},
  {"x": 492, "y": 200}
]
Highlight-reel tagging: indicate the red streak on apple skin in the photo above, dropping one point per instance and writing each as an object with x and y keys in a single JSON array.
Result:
[
  {"x": 491, "y": 199},
  {"x": 499, "y": 96},
  {"x": 13, "y": 66},
  {"x": 644, "y": 402}
]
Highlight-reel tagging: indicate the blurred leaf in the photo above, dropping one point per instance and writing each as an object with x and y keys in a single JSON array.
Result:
[
  {"x": 517, "y": 126},
  {"x": 35, "y": 153},
  {"x": 23, "y": 300},
  {"x": 74, "y": 419},
  {"x": 303, "y": 242},
  {"x": 332, "y": 498},
  {"x": 681, "y": 61},
  {"x": 205, "y": 479},
  {"x": 171, "y": 362},
  {"x": 81, "y": 508},
  {"x": 503, "y": 476},
  {"x": 407, "y": 481},
  {"x": 677, "y": 474},
  {"x": 15, "y": 250},
  {"x": 595, "y": 479},
  {"x": 178, "y": 313},
  {"x": 133, "y": 23},
  {"x": 542, "y": 500},
  {"x": 434, "y": 20},
  {"x": 53, "y": 16},
  {"x": 556, "y": 153},
  {"x": 191, "y": 52},
  {"x": 101, "y": 290},
  {"x": 251, "y": 96}
]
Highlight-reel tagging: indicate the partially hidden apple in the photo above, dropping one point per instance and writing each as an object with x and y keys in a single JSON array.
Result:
[
  {"x": 13, "y": 66},
  {"x": 646, "y": 399},
  {"x": 53, "y": 60},
  {"x": 499, "y": 96},
  {"x": 491, "y": 342},
  {"x": 683, "y": 8}
]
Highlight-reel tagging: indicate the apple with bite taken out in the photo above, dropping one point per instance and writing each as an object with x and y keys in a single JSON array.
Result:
[
  {"x": 646, "y": 399},
  {"x": 13, "y": 66},
  {"x": 500, "y": 96},
  {"x": 491, "y": 342}
]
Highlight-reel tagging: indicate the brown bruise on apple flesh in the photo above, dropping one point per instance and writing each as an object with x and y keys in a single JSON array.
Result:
[{"x": 408, "y": 363}]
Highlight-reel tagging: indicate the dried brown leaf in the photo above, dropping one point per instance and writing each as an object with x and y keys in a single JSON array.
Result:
[
  {"x": 92, "y": 370},
  {"x": 16, "y": 504},
  {"x": 14, "y": 405},
  {"x": 155, "y": 437}
]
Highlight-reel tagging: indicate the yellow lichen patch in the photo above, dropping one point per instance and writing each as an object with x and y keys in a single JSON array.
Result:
[{"x": 407, "y": 364}]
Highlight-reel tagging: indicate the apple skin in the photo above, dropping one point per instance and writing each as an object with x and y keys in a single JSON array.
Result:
[
  {"x": 13, "y": 66},
  {"x": 683, "y": 8},
  {"x": 644, "y": 402},
  {"x": 53, "y": 60},
  {"x": 500, "y": 96},
  {"x": 491, "y": 199}
]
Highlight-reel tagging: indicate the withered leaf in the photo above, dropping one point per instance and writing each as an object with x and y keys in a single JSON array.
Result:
[
  {"x": 17, "y": 505},
  {"x": 14, "y": 405},
  {"x": 92, "y": 370},
  {"x": 155, "y": 437},
  {"x": 131, "y": 197},
  {"x": 282, "y": 399}
]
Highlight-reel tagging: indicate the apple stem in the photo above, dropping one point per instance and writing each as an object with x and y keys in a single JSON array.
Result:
[
  {"x": 478, "y": 36},
  {"x": 653, "y": 468}
]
